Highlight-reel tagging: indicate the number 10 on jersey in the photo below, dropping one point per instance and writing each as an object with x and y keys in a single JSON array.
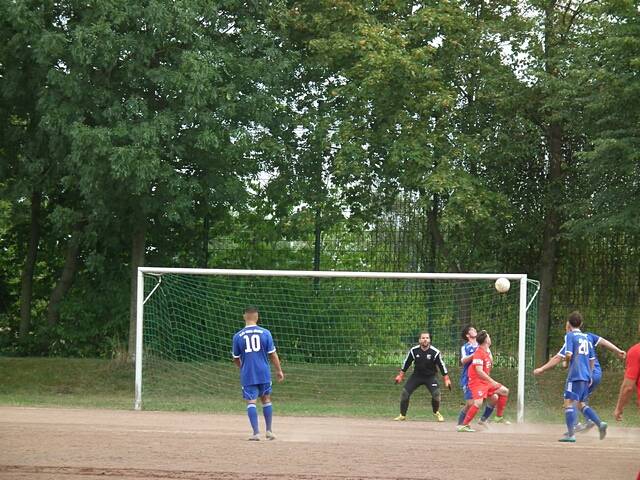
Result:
[{"x": 252, "y": 343}]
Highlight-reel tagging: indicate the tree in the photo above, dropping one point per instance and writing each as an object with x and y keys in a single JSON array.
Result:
[
  {"x": 156, "y": 100},
  {"x": 609, "y": 90},
  {"x": 31, "y": 156}
]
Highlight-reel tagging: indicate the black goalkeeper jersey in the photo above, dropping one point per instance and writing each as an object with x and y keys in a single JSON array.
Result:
[{"x": 425, "y": 361}]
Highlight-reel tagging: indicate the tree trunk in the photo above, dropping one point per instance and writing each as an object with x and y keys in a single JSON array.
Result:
[
  {"x": 137, "y": 260},
  {"x": 548, "y": 257},
  {"x": 463, "y": 301},
  {"x": 317, "y": 247},
  {"x": 205, "y": 242},
  {"x": 29, "y": 265},
  {"x": 66, "y": 279},
  {"x": 553, "y": 197}
]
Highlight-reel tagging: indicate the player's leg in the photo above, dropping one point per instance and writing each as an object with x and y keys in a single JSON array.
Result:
[
  {"x": 267, "y": 409},
  {"x": 588, "y": 424},
  {"x": 479, "y": 394},
  {"x": 436, "y": 398},
  {"x": 488, "y": 409},
  {"x": 407, "y": 390},
  {"x": 570, "y": 415},
  {"x": 468, "y": 398},
  {"x": 473, "y": 410},
  {"x": 503, "y": 397},
  {"x": 590, "y": 413},
  {"x": 572, "y": 392},
  {"x": 250, "y": 394}
]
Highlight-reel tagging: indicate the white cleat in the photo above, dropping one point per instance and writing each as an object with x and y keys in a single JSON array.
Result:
[
  {"x": 254, "y": 438},
  {"x": 270, "y": 435}
]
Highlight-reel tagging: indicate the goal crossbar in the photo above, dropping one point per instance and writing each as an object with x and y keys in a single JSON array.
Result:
[
  {"x": 520, "y": 277},
  {"x": 333, "y": 274}
]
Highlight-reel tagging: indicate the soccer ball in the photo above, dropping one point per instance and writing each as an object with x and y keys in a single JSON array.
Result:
[{"x": 502, "y": 285}]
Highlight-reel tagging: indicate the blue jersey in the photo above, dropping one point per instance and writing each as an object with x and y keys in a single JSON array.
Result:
[
  {"x": 252, "y": 345},
  {"x": 594, "y": 339},
  {"x": 467, "y": 350},
  {"x": 581, "y": 349}
]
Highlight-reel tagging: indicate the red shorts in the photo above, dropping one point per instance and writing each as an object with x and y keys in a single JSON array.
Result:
[{"x": 481, "y": 391}]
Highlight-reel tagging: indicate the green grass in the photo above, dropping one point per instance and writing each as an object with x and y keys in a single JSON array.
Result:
[{"x": 308, "y": 390}]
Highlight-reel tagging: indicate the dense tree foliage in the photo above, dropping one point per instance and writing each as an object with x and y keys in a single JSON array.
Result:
[{"x": 396, "y": 135}]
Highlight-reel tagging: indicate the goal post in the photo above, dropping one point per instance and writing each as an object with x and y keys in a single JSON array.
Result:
[{"x": 186, "y": 318}]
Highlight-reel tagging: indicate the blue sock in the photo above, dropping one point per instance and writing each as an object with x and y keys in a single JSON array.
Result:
[
  {"x": 591, "y": 414},
  {"x": 253, "y": 417},
  {"x": 463, "y": 413},
  {"x": 267, "y": 410},
  {"x": 488, "y": 410},
  {"x": 570, "y": 418}
]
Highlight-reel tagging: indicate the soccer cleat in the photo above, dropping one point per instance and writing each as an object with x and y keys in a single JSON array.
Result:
[
  {"x": 465, "y": 428},
  {"x": 270, "y": 435},
  {"x": 439, "y": 416},
  {"x": 483, "y": 424},
  {"x": 603, "y": 430},
  {"x": 568, "y": 439},
  {"x": 400, "y": 418},
  {"x": 585, "y": 427},
  {"x": 502, "y": 420},
  {"x": 254, "y": 438}
]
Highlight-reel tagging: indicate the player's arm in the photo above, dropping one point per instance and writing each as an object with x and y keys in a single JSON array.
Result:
[
  {"x": 405, "y": 366},
  {"x": 464, "y": 358},
  {"x": 626, "y": 390},
  {"x": 568, "y": 349},
  {"x": 443, "y": 371},
  {"x": 481, "y": 373},
  {"x": 235, "y": 353},
  {"x": 610, "y": 346},
  {"x": 555, "y": 360},
  {"x": 276, "y": 363},
  {"x": 631, "y": 376}
]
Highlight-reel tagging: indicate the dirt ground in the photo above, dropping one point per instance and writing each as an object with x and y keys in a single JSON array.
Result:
[{"x": 69, "y": 444}]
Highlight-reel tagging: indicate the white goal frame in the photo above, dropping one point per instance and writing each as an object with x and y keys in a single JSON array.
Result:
[{"x": 520, "y": 277}]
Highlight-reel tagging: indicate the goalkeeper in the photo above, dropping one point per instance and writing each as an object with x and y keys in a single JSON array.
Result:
[{"x": 426, "y": 358}]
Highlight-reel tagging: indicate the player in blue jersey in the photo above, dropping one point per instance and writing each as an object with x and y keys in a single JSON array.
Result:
[
  {"x": 597, "y": 371},
  {"x": 596, "y": 341},
  {"x": 469, "y": 335},
  {"x": 580, "y": 356},
  {"x": 252, "y": 348}
]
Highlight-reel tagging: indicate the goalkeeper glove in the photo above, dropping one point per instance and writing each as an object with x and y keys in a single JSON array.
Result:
[
  {"x": 447, "y": 381},
  {"x": 400, "y": 377}
]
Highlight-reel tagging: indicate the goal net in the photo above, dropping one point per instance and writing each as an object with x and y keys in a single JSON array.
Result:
[{"x": 341, "y": 336}]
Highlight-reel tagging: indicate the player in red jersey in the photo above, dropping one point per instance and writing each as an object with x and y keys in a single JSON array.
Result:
[
  {"x": 482, "y": 386},
  {"x": 631, "y": 380}
]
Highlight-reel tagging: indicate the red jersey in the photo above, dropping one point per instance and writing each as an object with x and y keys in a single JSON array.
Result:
[
  {"x": 632, "y": 369},
  {"x": 482, "y": 358}
]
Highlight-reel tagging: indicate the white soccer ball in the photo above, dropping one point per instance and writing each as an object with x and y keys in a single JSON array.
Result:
[{"x": 502, "y": 285}]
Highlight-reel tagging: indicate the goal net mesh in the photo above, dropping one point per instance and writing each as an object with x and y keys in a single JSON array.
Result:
[{"x": 341, "y": 340}]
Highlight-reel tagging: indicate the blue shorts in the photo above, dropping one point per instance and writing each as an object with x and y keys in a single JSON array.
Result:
[
  {"x": 577, "y": 390},
  {"x": 597, "y": 378},
  {"x": 467, "y": 393},
  {"x": 252, "y": 392}
]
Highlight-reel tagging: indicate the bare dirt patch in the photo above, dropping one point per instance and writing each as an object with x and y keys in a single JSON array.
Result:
[{"x": 45, "y": 443}]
